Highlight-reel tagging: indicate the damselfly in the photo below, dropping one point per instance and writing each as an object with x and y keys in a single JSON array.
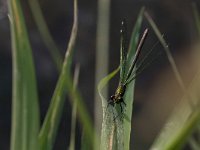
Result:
[{"x": 126, "y": 77}]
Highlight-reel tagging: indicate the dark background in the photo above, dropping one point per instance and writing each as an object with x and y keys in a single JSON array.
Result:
[{"x": 156, "y": 88}]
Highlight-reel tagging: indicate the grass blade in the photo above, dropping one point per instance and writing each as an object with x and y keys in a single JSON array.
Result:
[
  {"x": 64, "y": 85},
  {"x": 115, "y": 134},
  {"x": 168, "y": 53},
  {"x": 196, "y": 17},
  {"x": 185, "y": 117},
  {"x": 194, "y": 144},
  {"x": 181, "y": 123},
  {"x": 171, "y": 60},
  {"x": 129, "y": 95},
  {"x": 52, "y": 119},
  {"x": 74, "y": 111},
  {"x": 25, "y": 110},
  {"x": 177, "y": 129},
  {"x": 105, "y": 132},
  {"x": 45, "y": 33}
]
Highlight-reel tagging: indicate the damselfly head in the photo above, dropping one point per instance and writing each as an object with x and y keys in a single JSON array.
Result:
[
  {"x": 123, "y": 27},
  {"x": 112, "y": 97}
]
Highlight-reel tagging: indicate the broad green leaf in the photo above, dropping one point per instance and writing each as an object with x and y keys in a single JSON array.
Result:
[
  {"x": 103, "y": 83},
  {"x": 106, "y": 132},
  {"x": 101, "y": 59},
  {"x": 129, "y": 96},
  {"x": 115, "y": 133},
  {"x": 135, "y": 36},
  {"x": 25, "y": 110}
]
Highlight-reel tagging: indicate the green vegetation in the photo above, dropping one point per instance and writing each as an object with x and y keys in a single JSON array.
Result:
[{"x": 26, "y": 133}]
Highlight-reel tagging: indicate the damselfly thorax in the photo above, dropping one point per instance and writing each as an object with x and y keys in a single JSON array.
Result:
[{"x": 118, "y": 96}]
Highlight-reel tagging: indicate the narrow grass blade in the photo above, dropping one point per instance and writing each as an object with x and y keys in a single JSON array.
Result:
[
  {"x": 25, "y": 109},
  {"x": 177, "y": 129},
  {"x": 196, "y": 17},
  {"x": 64, "y": 85},
  {"x": 52, "y": 119},
  {"x": 85, "y": 142},
  {"x": 45, "y": 33},
  {"x": 167, "y": 50},
  {"x": 194, "y": 144},
  {"x": 197, "y": 21},
  {"x": 185, "y": 117},
  {"x": 171, "y": 60},
  {"x": 115, "y": 133},
  {"x": 181, "y": 123},
  {"x": 74, "y": 111},
  {"x": 73, "y": 128}
]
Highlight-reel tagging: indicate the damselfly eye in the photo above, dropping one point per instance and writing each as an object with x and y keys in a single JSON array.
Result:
[
  {"x": 112, "y": 97},
  {"x": 123, "y": 23}
]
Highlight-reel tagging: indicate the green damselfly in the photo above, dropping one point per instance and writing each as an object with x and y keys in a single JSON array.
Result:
[{"x": 126, "y": 77}]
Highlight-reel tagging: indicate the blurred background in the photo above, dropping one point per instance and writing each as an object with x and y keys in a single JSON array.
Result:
[{"x": 157, "y": 90}]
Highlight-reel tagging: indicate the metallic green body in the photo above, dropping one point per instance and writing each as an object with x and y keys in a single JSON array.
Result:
[{"x": 119, "y": 93}]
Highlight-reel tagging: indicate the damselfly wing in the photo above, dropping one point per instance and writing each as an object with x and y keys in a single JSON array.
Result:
[{"x": 126, "y": 77}]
